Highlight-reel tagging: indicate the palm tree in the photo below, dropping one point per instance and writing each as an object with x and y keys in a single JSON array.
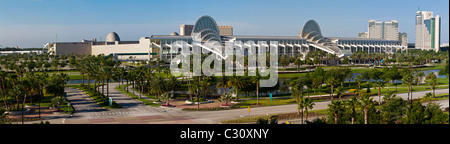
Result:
[
  {"x": 339, "y": 92},
  {"x": 301, "y": 106},
  {"x": 353, "y": 102},
  {"x": 158, "y": 86},
  {"x": 107, "y": 73},
  {"x": 223, "y": 83},
  {"x": 380, "y": 85},
  {"x": 237, "y": 83},
  {"x": 167, "y": 96},
  {"x": 407, "y": 79},
  {"x": 331, "y": 80},
  {"x": 432, "y": 79},
  {"x": 256, "y": 80},
  {"x": 359, "y": 79},
  {"x": 225, "y": 97},
  {"x": 173, "y": 83},
  {"x": 308, "y": 105},
  {"x": 366, "y": 103},
  {"x": 335, "y": 107},
  {"x": 419, "y": 76}
]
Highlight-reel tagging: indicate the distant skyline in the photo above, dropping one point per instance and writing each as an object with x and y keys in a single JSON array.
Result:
[{"x": 33, "y": 23}]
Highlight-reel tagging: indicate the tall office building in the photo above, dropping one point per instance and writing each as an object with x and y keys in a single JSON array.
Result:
[
  {"x": 383, "y": 30},
  {"x": 428, "y": 30}
]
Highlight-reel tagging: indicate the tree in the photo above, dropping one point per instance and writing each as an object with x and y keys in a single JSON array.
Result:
[
  {"x": 366, "y": 103},
  {"x": 353, "y": 103},
  {"x": 57, "y": 102},
  {"x": 434, "y": 114},
  {"x": 393, "y": 110},
  {"x": 407, "y": 79},
  {"x": 339, "y": 92},
  {"x": 284, "y": 61},
  {"x": 255, "y": 80},
  {"x": 331, "y": 79},
  {"x": 415, "y": 113},
  {"x": 237, "y": 83},
  {"x": 167, "y": 96},
  {"x": 300, "y": 107},
  {"x": 419, "y": 77},
  {"x": 223, "y": 83},
  {"x": 225, "y": 97},
  {"x": 380, "y": 85},
  {"x": 298, "y": 62},
  {"x": 308, "y": 103},
  {"x": 173, "y": 83},
  {"x": 335, "y": 107},
  {"x": 432, "y": 79},
  {"x": 107, "y": 73},
  {"x": 359, "y": 79}
]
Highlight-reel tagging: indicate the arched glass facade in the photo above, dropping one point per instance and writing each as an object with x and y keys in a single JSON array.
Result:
[{"x": 207, "y": 28}]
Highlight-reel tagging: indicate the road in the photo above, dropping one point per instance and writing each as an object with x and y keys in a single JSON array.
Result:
[{"x": 133, "y": 111}]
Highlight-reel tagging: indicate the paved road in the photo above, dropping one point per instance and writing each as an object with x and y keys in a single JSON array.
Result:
[{"x": 89, "y": 112}]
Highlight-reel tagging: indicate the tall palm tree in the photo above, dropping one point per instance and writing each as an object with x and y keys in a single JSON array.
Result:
[
  {"x": 158, "y": 86},
  {"x": 407, "y": 79},
  {"x": 380, "y": 85},
  {"x": 432, "y": 79},
  {"x": 173, "y": 83},
  {"x": 308, "y": 105},
  {"x": 335, "y": 107},
  {"x": 353, "y": 102},
  {"x": 366, "y": 103},
  {"x": 223, "y": 83},
  {"x": 107, "y": 73},
  {"x": 255, "y": 80},
  {"x": 237, "y": 83},
  {"x": 300, "y": 107},
  {"x": 359, "y": 79}
]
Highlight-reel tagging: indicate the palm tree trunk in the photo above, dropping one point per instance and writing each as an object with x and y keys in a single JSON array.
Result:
[
  {"x": 365, "y": 115},
  {"x": 335, "y": 118},
  {"x": 107, "y": 89},
  {"x": 257, "y": 93},
  {"x": 301, "y": 115}
]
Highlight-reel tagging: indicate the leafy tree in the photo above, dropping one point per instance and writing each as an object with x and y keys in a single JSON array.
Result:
[
  {"x": 415, "y": 113},
  {"x": 335, "y": 108},
  {"x": 57, "y": 102},
  {"x": 353, "y": 103},
  {"x": 434, "y": 115},
  {"x": 225, "y": 97},
  {"x": 393, "y": 110},
  {"x": 432, "y": 79},
  {"x": 366, "y": 103}
]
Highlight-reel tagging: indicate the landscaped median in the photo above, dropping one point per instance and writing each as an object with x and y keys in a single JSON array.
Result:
[
  {"x": 280, "y": 117},
  {"x": 145, "y": 101},
  {"x": 96, "y": 96}
]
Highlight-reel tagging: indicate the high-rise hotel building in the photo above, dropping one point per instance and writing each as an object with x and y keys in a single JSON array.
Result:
[
  {"x": 428, "y": 31},
  {"x": 385, "y": 31}
]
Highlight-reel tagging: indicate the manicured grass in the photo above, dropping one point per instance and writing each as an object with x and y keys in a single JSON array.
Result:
[
  {"x": 266, "y": 102},
  {"x": 147, "y": 102},
  {"x": 98, "y": 97},
  {"x": 444, "y": 96}
]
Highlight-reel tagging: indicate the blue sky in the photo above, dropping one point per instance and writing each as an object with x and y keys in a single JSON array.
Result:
[{"x": 32, "y": 23}]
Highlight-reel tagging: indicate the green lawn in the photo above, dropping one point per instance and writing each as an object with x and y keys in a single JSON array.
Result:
[
  {"x": 147, "y": 102},
  {"x": 100, "y": 99},
  {"x": 266, "y": 102}
]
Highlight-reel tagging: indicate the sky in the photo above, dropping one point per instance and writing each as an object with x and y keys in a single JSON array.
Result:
[{"x": 33, "y": 23}]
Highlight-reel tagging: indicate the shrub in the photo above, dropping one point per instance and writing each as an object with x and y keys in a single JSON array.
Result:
[{"x": 352, "y": 91}]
